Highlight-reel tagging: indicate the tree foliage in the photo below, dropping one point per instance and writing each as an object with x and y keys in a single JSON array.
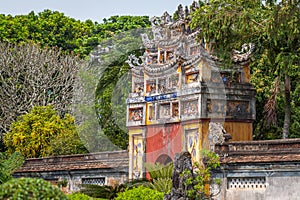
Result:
[
  {"x": 54, "y": 29},
  {"x": 8, "y": 164},
  {"x": 47, "y": 28},
  {"x": 30, "y": 189},
  {"x": 42, "y": 133},
  {"x": 32, "y": 76},
  {"x": 274, "y": 29},
  {"x": 115, "y": 84}
]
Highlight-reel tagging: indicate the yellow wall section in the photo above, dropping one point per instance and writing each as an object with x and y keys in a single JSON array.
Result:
[
  {"x": 240, "y": 131},
  {"x": 135, "y": 164},
  {"x": 204, "y": 129},
  {"x": 135, "y": 131},
  {"x": 203, "y": 142},
  {"x": 247, "y": 73}
]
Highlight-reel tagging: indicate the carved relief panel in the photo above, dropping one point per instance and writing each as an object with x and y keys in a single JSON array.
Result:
[
  {"x": 151, "y": 86},
  {"x": 170, "y": 56},
  {"x": 175, "y": 33},
  {"x": 230, "y": 108},
  {"x": 138, "y": 87},
  {"x": 162, "y": 85},
  {"x": 226, "y": 77},
  {"x": 135, "y": 114},
  {"x": 164, "y": 110},
  {"x": 189, "y": 108},
  {"x": 168, "y": 110},
  {"x": 238, "y": 109},
  {"x": 191, "y": 74},
  {"x": 173, "y": 82},
  {"x": 194, "y": 50},
  {"x": 216, "y": 108}
]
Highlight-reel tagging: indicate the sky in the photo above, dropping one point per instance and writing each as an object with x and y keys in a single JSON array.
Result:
[{"x": 95, "y": 10}]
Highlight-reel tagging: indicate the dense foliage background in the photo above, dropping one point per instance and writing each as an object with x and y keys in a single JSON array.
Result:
[
  {"x": 273, "y": 26},
  {"x": 52, "y": 29}
]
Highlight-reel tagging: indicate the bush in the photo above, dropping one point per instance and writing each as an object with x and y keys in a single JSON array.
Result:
[
  {"x": 140, "y": 193},
  {"x": 30, "y": 189},
  {"x": 79, "y": 196},
  {"x": 103, "y": 191}
]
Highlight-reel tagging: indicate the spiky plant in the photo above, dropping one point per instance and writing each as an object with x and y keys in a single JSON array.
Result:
[{"x": 161, "y": 177}]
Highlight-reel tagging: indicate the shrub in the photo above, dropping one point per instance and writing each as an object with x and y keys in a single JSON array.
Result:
[
  {"x": 140, "y": 193},
  {"x": 30, "y": 189},
  {"x": 103, "y": 191},
  {"x": 79, "y": 196}
]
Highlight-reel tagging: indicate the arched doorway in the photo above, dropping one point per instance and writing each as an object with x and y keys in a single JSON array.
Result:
[{"x": 164, "y": 159}]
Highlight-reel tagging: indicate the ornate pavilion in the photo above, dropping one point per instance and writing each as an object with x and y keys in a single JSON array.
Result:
[{"x": 182, "y": 97}]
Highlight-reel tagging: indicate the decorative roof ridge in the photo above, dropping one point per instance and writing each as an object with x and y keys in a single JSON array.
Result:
[
  {"x": 177, "y": 23},
  {"x": 239, "y": 57},
  {"x": 245, "y": 54},
  {"x": 193, "y": 35},
  {"x": 169, "y": 42},
  {"x": 191, "y": 61},
  {"x": 160, "y": 68}
]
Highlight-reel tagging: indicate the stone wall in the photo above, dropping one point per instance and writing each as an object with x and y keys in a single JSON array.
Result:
[
  {"x": 105, "y": 168},
  {"x": 259, "y": 170}
]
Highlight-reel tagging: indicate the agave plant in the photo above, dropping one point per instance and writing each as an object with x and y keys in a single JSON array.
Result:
[
  {"x": 161, "y": 177},
  {"x": 158, "y": 170}
]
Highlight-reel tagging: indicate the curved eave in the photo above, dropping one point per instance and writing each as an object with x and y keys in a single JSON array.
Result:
[{"x": 161, "y": 70}]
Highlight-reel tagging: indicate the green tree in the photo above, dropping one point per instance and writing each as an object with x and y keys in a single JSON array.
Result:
[
  {"x": 54, "y": 29},
  {"x": 42, "y": 133},
  {"x": 47, "y": 28},
  {"x": 110, "y": 27},
  {"x": 274, "y": 29},
  {"x": 8, "y": 164}
]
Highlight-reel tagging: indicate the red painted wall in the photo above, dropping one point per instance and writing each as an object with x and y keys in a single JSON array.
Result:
[{"x": 163, "y": 139}]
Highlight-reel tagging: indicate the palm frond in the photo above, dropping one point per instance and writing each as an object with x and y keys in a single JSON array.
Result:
[{"x": 270, "y": 115}]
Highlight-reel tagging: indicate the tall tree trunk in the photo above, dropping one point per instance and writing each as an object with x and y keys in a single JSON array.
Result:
[{"x": 287, "y": 116}]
